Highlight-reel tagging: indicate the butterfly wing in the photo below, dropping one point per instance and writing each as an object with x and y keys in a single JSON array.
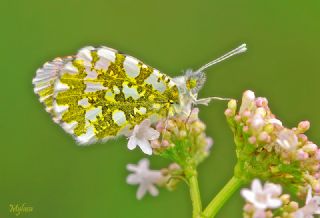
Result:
[{"x": 100, "y": 93}]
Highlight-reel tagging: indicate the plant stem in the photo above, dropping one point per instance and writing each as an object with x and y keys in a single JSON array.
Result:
[
  {"x": 219, "y": 200},
  {"x": 195, "y": 194}
]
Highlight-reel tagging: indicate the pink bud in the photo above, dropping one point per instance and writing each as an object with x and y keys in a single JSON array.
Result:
[
  {"x": 155, "y": 144},
  {"x": 310, "y": 148},
  {"x": 237, "y": 118},
  {"x": 301, "y": 155},
  {"x": 165, "y": 143},
  {"x": 261, "y": 102},
  {"x": 228, "y": 112},
  {"x": 159, "y": 126},
  {"x": 316, "y": 187},
  {"x": 209, "y": 141},
  {"x": 174, "y": 166},
  {"x": 246, "y": 114},
  {"x": 317, "y": 175},
  {"x": 316, "y": 167},
  {"x": 303, "y": 137},
  {"x": 285, "y": 198},
  {"x": 252, "y": 140},
  {"x": 304, "y": 126},
  {"x": 245, "y": 129},
  {"x": 317, "y": 154},
  {"x": 248, "y": 208},
  {"x": 263, "y": 136},
  {"x": 294, "y": 205}
]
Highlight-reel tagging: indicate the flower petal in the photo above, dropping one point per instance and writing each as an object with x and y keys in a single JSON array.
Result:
[
  {"x": 272, "y": 189},
  {"x": 146, "y": 122},
  {"x": 132, "y": 143},
  {"x": 248, "y": 195},
  {"x": 145, "y": 146},
  {"x": 141, "y": 191},
  {"x": 133, "y": 179},
  {"x": 144, "y": 164},
  {"x": 274, "y": 203},
  {"x": 256, "y": 186},
  {"x": 152, "y": 134},
  {"x": 132, "y": 167},
  {"x": 153, "y": 190},
  {"x": 155, "y": 176}
]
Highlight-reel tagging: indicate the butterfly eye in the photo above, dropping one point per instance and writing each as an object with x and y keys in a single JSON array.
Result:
[{"x": 191, "y": 83}]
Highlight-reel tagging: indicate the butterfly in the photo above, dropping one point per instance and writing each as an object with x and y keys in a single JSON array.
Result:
[{"x": 100, "y": 93}]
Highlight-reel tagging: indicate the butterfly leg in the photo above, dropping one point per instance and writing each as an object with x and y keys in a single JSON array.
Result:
[{"x": 206, "y": 101}]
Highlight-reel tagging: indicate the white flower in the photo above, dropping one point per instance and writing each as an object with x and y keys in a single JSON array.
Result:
[
  {"x": 287, "y": 139},
  {"x": 145, "y": 178},
  {"x": 141, "y": 136},
  {"x": 312, "y": 206},
  {"x": 263, "y": 197},
  {"x": 257, "y": 122}
]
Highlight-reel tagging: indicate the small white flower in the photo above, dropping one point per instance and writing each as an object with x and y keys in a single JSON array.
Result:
[
  {"x": 141, "y": 136},
  {"x": 263, "y": 197},
  {"x": 287, "y": 139},
  {"x": 257, "y": 122},
  {"x": 145, "y": 178},
  {"x": 312, "y": 206}
]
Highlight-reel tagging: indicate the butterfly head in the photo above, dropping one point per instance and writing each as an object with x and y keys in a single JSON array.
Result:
[
  {"x": 189, "y": 85},
  {"x": 194, "y": 81}
]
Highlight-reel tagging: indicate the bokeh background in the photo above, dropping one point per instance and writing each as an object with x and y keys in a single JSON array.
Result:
[{"x": 42, "y": 166}]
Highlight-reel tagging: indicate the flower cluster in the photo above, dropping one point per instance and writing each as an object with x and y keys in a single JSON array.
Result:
[
  {"x": 183, "y": 139},
  {"x": 267, "y": 202},
  {"x": 180, "y": 138},
  {"x": 268, "y": 150}
]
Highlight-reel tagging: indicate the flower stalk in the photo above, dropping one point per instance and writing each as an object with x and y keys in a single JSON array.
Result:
[
  {"x": 219, "y": 200},
  {"x": 192, "y": 179}
]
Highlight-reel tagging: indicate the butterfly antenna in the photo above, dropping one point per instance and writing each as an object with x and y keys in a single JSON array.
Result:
[{"x": 242, "y": 48}]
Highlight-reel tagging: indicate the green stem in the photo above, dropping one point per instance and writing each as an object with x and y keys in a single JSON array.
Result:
[
  {"x": 195, "y": 194},
  {"x": 219, "y": 200}
]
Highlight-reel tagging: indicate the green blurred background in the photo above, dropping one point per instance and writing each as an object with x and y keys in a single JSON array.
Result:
[{"x": 42, "y": 166}]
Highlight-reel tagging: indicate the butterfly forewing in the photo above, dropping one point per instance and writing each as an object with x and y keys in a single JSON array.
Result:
[{"x": 100, "y": 93}]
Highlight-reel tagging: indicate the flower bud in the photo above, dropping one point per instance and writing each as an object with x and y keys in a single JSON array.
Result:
[
  {"x": 285, "y": 198},
  {"x": 303, "y": 126},
  {"x": 228, "y": 112},
  {"x": 310, "y": 148},
  {"x": 248, "y": 98},
  {"x": 294, "y": 205}
]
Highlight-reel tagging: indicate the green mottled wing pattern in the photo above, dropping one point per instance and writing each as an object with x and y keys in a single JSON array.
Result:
[{"x": 100, "y": 93}]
